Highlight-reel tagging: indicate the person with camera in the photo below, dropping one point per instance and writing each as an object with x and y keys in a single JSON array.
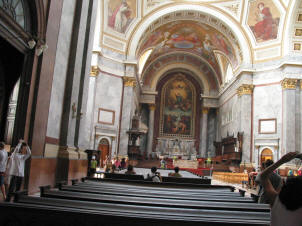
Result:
[
  {"x": 286, "y": 205},
  {"x": 16, "y": 167}
]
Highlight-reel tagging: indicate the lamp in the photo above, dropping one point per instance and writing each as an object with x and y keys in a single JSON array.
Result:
[
  {"x": 41, "y": 49},
  {"x": 31, "y": 43}
]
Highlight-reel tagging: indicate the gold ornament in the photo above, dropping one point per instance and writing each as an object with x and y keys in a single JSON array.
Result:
[
  {"x": 245, "y": 89},
  {"x": 289, "y": 83}
]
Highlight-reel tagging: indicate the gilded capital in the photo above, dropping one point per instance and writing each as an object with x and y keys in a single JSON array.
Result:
[
  {"x": 205, "y": 110},
  {"x": 289, "y": 83},
  {"x": 94, "y": 71},
  {"x": 245, "y": 89},
  {"x": 129, "y": 81},
  {"x": 152, "y": 107}
]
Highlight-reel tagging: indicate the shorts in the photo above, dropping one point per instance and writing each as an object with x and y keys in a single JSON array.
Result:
[{"x": 1, "y": 179}]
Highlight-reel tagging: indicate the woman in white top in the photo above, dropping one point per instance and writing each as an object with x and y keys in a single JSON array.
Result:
[
  {"x": 3, "y": 161},
  {"x": 286, "y": 206},
  {"x": 16, "y": 167}
]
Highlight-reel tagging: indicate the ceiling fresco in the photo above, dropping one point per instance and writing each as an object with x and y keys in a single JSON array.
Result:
[
  {"x": 263, "y": 20},
  {"x": 190, "y": 36}
]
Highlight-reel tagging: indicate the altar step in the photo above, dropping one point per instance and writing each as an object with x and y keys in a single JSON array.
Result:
[{"x": 148, "y": 163}]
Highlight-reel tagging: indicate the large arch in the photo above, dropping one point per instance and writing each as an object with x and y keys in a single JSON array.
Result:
[
  {"x": 204, "y": 83},
  {"x": 210, "y": 10}
]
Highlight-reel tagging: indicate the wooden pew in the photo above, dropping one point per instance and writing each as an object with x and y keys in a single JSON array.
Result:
[
  {"x": 170, "y": 185},
  {"x": 184, "y": 180},
  {"x": 140, "y": 179},
  {"x": 143, "y": 215},
  {"x": 201, "y": 189},
  {"x": 220, "y": 197},
  {"x": 155, "y": 201}
]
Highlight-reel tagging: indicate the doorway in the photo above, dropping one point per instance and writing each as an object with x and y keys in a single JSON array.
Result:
[
  {"x": 266, "y": 154},
  {"x": 11, "y": 65},
  {"x": 104, "y": 148}
]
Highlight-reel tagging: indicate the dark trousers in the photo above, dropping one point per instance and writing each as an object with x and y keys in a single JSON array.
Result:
[{"x": 14, "y": 186}]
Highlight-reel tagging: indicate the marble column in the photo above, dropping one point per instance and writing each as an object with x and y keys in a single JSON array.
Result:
[
  {"x": 289, "y": 115},
  {"x": 150, "y": 129},
  {"x": 127, "y": 112},
  {"x": 204, "y": 135},
  {"x": 94, "y": 72},
  {"x": 245, "y": 98}
]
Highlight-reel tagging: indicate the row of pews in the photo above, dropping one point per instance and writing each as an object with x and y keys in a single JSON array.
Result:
[{"x": 130, "y": 202}]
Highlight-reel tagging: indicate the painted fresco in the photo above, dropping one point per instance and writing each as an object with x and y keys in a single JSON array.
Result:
[
  {"x": 120, "y": 14},
  {"x": 263, "y": 20},
  {"x": 177, "y": 108},
  {"x": 190, "y": 36}
]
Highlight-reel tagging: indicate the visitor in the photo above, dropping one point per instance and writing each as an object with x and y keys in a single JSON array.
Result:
[
  {"x": 123, "y": 164},
  {"x": 162, "y": 164},
  {"x": 93, "y": 165},
  {"x": 3, "y": 162},
  {"x": 275, "y": 180},
  {"x": 154, "y": 176},
  {"x": 117, "y": 163},
  {"x": 300, "y": 171},
  {"x": 113, "y": 169},
  {"x": 176, "y": 173},
  {"x": 286, "y": 205},
  {"x": 16, "y": 167},
  {"x": 130, "y": 170}
]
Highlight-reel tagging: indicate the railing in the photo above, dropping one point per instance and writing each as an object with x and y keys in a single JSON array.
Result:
[{"x": 234, "y": 178}]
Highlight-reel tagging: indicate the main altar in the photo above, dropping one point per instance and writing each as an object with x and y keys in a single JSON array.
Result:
[{"x": 179, "y": 148}]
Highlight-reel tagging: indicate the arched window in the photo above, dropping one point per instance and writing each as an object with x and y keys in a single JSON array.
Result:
[{"x": 16, "y": 9}]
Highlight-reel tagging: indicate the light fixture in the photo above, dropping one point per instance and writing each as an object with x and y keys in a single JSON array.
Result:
[
  {"x": 41, "y": 49},
  {"x": 31, "y": 43}
]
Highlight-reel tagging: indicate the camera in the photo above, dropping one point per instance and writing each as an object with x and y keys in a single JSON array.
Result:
[{"x": 299, "y": 156}]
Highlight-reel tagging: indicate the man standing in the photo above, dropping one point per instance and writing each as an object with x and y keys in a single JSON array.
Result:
[
  {"x": 16, "y": 167},
  {"x": 3, "y": 161}
]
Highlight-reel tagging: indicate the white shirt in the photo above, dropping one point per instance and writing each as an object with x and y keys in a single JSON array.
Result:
[
  {"x": 280, "y": 216},
  {"x": 3, "y": 160},
  {"x": 16, "y": 167}
]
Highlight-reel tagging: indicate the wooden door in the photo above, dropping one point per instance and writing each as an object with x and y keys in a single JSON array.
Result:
[
  {"x": 104, "y": 148},
  {"x": 266, "y": 154}
]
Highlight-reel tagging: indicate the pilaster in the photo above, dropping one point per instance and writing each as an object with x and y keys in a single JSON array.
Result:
[
  {"x": 129, "y": 83},
  {"x": 245, "y": 98},
  {"x": 289, "y": 119},
  {"x": 203, "y": 134},
  {"x": 150, "y": 129}
]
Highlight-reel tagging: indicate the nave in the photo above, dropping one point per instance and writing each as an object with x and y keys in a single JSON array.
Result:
[{"x": 126, "y": 202}]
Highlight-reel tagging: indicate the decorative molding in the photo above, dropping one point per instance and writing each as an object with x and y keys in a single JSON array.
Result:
[
  {"x": 94, "y": 71},
  {"x": 289, "y": 83},
  {"x": 245, "y": 89},
  {"x": 129, "y": 81},
  {"x": 267, "y": 126},
  {"x": 205, "y": 110},
  {"x": 107, "y": 118},
  {"x": 152, "y": 107}
]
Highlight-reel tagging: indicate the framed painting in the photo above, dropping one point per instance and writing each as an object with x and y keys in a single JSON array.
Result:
[
  {"x": 267, "y": 126},
  {"x": 106, "y": 116},
  {"x": 177, "y": 114}
]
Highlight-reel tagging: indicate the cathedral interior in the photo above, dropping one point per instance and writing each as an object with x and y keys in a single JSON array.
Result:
[{"x": 206, "y": 80}]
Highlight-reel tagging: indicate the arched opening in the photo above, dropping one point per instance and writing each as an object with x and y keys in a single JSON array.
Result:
[
  {"x": 104, "y": 148},
  {"x": 18, "y": 25},
  {"x": 266, "y": 154},
  {"x": 11, "y": 64}
]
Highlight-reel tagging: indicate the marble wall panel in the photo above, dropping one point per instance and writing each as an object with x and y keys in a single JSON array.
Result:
[
  {"x": 108, "y": 94},
  {"x": 60, "y": 69}
]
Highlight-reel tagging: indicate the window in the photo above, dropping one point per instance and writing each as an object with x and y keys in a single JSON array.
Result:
[{"x": 14, "y": 8}]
